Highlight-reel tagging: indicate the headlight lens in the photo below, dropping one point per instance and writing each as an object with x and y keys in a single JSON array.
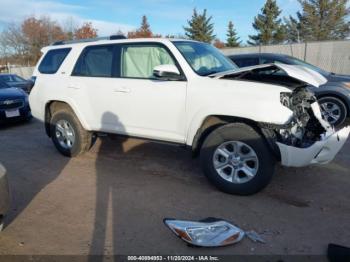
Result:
[{"x": 213, "y": 233}]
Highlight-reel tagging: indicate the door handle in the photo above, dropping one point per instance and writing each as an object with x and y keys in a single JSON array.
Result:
[{"x": 122, "y": 90}]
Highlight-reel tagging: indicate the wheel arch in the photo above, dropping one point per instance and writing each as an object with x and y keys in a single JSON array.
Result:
[
  {"x": 54, "y": 105},
  {"x": 212, "y": 122}
]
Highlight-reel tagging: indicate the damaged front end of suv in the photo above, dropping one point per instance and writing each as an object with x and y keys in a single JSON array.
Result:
[
  {"x": 304, "y": 128},
  {"x": 306, "y": 138}
]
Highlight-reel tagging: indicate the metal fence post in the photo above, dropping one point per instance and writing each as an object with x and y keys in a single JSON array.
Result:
[{"x": 305, "y": 51}]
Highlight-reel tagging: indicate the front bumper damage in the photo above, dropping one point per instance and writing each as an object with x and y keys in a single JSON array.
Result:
[
  {"x": 307, "y": 139},
  {"x": 321, "y": 152}
]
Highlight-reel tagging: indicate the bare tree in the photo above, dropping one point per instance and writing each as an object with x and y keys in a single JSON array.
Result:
[
  {"x": 21, "y": 43},
  {"x": 70, "y": 25}
]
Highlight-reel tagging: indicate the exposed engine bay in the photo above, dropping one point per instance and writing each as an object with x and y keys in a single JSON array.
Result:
[{"x": 305, "y": 128}]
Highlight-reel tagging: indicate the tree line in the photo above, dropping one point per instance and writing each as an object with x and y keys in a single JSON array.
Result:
[
  {"x": 22, "y": 43},
  {"x": 316, "y": 21}
]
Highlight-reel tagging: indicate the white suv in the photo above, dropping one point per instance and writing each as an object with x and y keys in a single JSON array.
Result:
[{"x": 241, "y": 121}]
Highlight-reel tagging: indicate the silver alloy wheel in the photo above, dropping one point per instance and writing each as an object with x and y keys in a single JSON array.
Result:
[
  {"x": 330, "y": 112},
  {"x": 236, "y": 162},
  {"x": 65, "y": 134}
]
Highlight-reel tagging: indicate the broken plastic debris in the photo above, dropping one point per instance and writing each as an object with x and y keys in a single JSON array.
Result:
[{"x": 255, "y": 237}]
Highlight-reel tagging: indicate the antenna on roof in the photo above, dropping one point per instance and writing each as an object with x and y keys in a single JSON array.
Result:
[{"x": 112, "y": 37}]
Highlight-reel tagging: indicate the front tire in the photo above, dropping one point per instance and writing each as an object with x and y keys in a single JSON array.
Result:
[
  {"x": 236, "y": 159},
  {"x": 68, "y": 135}
]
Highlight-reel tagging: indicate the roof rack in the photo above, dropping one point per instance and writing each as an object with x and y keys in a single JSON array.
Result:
[{"x": 67, "y": 42}]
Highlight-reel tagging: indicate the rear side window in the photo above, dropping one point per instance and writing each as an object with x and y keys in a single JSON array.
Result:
[
  {"x": 53, "y": 60},
  {"x": 95, "y": 61},
  {"x": 246, "y": 61}
]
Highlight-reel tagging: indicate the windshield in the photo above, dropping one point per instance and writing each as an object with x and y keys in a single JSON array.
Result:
[
  {"x": 204, "y": 58},
  {"x": 3, "y": 85},
  {"x": 296, "y": 61},
  {"x": 11, "y": 78}
]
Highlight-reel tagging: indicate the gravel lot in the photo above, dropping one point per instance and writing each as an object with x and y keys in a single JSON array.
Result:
[{"x": 113, "y": 200}]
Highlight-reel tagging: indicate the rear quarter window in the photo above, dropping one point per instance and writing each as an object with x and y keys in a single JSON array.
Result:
[
  {"x": 95, "y": 61},
  {"x": 53, "y": 60}
]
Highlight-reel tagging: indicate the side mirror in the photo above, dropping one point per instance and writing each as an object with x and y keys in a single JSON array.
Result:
[{"x": 167, "y": 72}]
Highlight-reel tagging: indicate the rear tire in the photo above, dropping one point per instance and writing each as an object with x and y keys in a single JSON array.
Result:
[
  {"x": 68, "y": 135},
  {"x": 239, "y": 142}
]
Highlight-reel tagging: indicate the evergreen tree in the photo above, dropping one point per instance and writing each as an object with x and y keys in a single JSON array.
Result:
[
  {"x": 293, "y": 30},
  {"x": 145, "y": 27},
  {"x": 323, "y": 19},
  {"x": 268, "y": 24},
  {"x": 143, "y": 32},
  {"x": 200, "y": 27},
  {"x": 232, "y": 38}
]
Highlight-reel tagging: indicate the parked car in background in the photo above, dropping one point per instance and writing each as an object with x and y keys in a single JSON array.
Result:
[
  {"x": 16, "y": 81},
  {"x": 14, "y": 105},
  {"x": 187, "y": 93},
  {"x": 4, "y": 195},
  {"x": 334, "y": 96}
]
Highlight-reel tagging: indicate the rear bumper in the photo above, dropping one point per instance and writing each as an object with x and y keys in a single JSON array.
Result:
[
  {"x": 4, "y": 193},
  {"x": 322, "y": 152}
]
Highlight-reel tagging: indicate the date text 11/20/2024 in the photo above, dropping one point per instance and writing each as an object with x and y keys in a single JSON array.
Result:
[{"x": 173, "y": 258}]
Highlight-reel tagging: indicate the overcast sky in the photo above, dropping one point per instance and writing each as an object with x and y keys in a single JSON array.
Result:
[{"x": 165, "y": 16}]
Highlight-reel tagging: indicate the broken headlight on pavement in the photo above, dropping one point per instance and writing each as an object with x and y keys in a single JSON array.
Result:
[{"x": 210, "y": 232}]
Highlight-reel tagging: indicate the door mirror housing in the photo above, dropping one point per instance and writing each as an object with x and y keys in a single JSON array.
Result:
[{"x": 167, "y": 72}]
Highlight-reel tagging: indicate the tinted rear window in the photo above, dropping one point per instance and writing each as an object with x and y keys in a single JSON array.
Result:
[
  {"x": 53, "y": 60},
  {"x": 95, "y": 61}
]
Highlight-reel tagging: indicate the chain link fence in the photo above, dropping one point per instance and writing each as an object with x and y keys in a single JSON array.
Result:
[{"x": 332, "y": 56}]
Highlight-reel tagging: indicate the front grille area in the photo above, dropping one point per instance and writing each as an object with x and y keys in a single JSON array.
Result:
[{"x": 11, "y": 104}]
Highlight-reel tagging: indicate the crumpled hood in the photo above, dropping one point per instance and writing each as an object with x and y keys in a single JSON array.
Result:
[{"x": 301, "y": 73}]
